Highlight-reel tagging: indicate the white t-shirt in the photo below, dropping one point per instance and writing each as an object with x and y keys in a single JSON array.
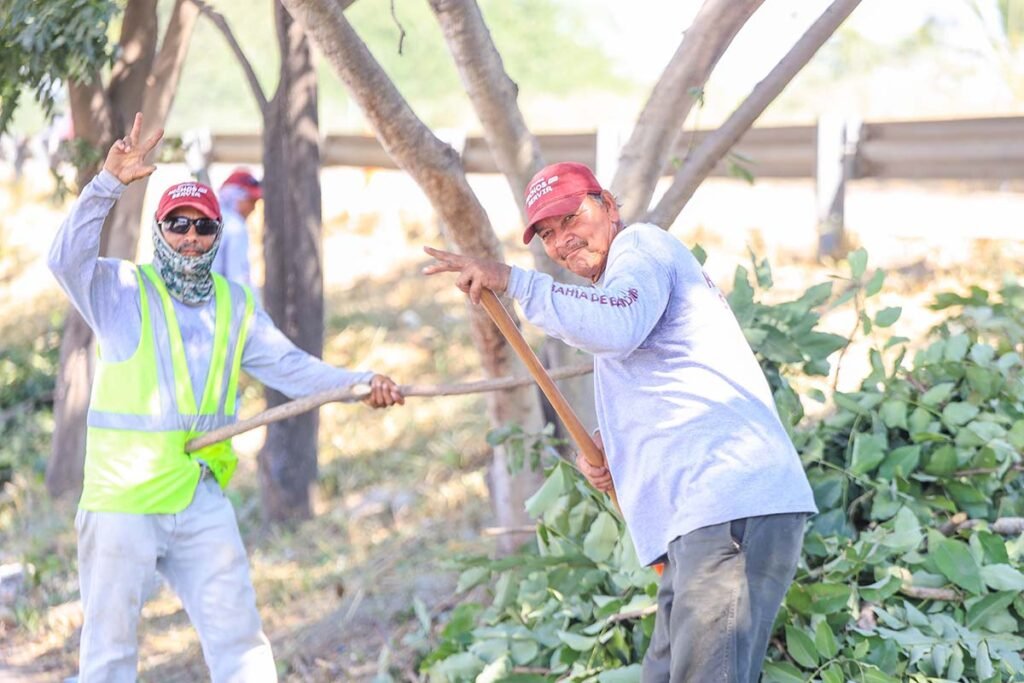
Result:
[{"x": 690, "y": 428}]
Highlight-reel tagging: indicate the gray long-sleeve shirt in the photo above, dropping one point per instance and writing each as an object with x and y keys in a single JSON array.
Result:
[
  {"x": 689, "y": 425},
  {"x": 105, "y": 291}
]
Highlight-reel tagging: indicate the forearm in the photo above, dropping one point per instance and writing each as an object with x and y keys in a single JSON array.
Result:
[
  {"x": 271, "y": 358},
  {"x": 74, "y": 255},
  {"x": 604, "y": 321}
]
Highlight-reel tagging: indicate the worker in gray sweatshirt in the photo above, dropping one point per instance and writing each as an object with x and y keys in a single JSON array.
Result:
[
  {"x": 708, "y": 480},
  {"x": 172, "y": 338}
]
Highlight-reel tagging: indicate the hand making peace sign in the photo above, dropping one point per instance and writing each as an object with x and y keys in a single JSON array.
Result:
[
  {"x": 474, "y": 273},
  {"x": 127, "y": 158}
]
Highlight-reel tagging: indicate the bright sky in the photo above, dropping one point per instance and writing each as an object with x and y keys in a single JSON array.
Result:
[{"x": 771, "y": 31}]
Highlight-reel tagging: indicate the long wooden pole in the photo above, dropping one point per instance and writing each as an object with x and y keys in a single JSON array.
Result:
[
  {"x": 358, "y": 393},
  {"x": 515, "y": 339}
]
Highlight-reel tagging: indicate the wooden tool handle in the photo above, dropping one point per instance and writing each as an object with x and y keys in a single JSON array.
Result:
[{"x": 565, "y": 412}]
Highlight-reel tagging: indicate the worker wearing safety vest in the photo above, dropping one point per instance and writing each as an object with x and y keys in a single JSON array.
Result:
[{"x": 172, "y": 339}]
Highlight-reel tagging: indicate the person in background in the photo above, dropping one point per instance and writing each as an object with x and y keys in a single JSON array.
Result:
[{"x": 238, "y": 197}]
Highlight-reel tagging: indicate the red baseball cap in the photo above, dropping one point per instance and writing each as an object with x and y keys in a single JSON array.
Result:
[
  {"x": 557, "y": 190},
  {"x": 245, "y": 180},
  {"x": 189, "y": 193}
]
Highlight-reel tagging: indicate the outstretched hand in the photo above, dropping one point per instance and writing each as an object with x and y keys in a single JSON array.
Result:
[
  {"x": 126, "y": 159},
  {"x": 475, "y": 274}
]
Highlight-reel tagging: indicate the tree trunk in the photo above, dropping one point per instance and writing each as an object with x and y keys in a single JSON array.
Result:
[
  {"x": 702, "y": 160},
  {"x": 517, "y": 154},
  {"x": 140, "y": 80},
  {"x": 293, "y": 292},
  {"x": 660, "y": 125},
  {"x": 437, "y": 169}
]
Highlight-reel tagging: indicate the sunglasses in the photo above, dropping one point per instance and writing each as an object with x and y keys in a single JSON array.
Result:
[{"x": 180, "y": 225}]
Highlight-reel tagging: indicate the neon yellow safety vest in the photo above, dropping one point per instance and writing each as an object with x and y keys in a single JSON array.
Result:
[{"x": 143, "y": 409}]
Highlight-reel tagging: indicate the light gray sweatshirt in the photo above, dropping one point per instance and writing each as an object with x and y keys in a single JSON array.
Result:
[
  {"x": 690, "y": 428},
  {"x": 105, "y": 291}
]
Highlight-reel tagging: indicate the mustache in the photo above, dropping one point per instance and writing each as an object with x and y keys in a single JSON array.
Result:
[
  {"x": 190, "y": 245},
  {"x": 566, "y": 249}
]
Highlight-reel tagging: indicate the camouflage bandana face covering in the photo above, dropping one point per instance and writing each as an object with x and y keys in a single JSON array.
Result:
[{"x": 187, "y": 278}]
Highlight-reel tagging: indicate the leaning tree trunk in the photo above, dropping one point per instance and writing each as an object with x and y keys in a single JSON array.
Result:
[
  {"x": 517, "y": 154},
  {"x": 293, "y": 291},
  {"x": 142, "y": 80},
  {"x": 658, "y": 129}
]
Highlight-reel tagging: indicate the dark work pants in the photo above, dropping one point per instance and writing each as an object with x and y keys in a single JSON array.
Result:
[{"x": 718, "y": 598}]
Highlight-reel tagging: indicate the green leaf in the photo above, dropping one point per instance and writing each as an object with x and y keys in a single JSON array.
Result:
[
  {"x": 956, "y": 348},
  {"x": 459, "y": 667},
  {"x": 782, "y": 672},
  {"x": 601, "y": 538},
  {"x": 874, "y": 285},
  {"x": 872, "y": 674},
  {"x": 1002, "y": 577},
  {"x": 821, "y": 344},
  {"x": 942, "y": 462},
  {"x": 699, "y": 253},
  {"x": 937, "y": 394},
  {"x": 979, "y": 612},
  {"x": 959, "y": 413},
  {"x": 858, "y": 261},
  {"x": 868, "y": 451},
  {"x": 850, "y": 403},
  {"x": 894, "y": 414},
  {"x": 833, "y": 674},
  {"x": 626, "y": 674},
  {"x": 982, "y": 380},
  {"x": 801, "y": 647},
  {"x": 954, "y": 560},
  {"x": 825, "y": 640},
  {"x": 956, "y": 664},
  {"x": 473, "y": 576},
  {"x": 548, "y": 493},
  {"x": 901, "y": 462},
  {"x": 827, "y": 598},
  {"x": 983, "y": 663},
  {"x": 887, "y": 316},
  {"x": 577, "y": 642},
  {"x": 524, "y": 651},
  {"x": 881, "y": 590},
  {"x": 816, "y": 295},
  {"x": 906, "y": 534}
]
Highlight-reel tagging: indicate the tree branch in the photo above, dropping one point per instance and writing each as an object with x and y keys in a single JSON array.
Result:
[
  {"x": 493, "y": 94},
  {"x": 162, "y": 83},
  {"x": 970, "y": 472},
  {"x": 924, "y": 593},
  {"x": 139, "y": 35},
  {"x": 659, "y": 127},
  {"x": 1004, "y": 526},
  {"x": 250, "y": 74},
  {"x": 349, "y": 394},
  {"x": 696, "y": 168}
]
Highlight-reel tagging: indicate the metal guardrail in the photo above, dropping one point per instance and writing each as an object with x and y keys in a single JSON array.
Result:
[
  {"x": 965, "y": 149},
  {"x": 832, "y": 153}
]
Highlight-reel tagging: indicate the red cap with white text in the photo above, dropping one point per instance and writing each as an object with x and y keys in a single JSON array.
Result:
[
  {"x": 189, "y": 193},
  {"x": 557, "y": 190}
]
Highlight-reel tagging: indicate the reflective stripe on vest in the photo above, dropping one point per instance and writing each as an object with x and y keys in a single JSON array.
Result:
[{"x": 143, "y": 409}]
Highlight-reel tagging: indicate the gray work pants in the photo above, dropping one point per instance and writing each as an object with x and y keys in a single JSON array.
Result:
[
  {"x": 200, "y": 553},
  {"x": 719, "y": 594}
]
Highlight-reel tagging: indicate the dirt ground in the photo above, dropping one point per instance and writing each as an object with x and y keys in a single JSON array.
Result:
[{"x": 403, "y": 492}]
